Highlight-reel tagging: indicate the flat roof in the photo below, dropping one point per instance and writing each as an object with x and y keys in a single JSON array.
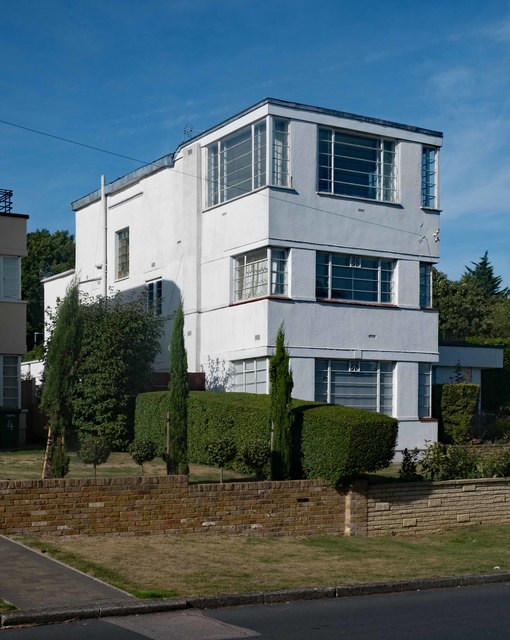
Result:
[
  {"x": 168, "y": 160},
  {"x": 14, "y": 215}
]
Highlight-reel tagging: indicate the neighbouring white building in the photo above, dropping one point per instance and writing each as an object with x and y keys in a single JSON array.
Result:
[{"x": 324, "y": 220}]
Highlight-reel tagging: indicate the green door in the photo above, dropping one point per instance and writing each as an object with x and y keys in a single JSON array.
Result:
[{"x": 9, "y": 428}]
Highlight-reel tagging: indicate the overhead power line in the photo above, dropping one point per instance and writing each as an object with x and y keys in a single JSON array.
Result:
[{"x": 79, "y": 144}]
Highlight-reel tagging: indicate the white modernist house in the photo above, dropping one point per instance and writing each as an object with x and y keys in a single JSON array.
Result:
[{"x": 323, "y": 220}]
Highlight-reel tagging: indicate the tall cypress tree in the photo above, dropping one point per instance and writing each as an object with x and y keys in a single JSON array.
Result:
[
  {"x": 59, "y": 377},
  {"x": 280, "y": 411},
  {"x": 177, "y": 457}
]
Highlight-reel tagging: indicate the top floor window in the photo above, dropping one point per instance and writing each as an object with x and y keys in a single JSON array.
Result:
[
  {"x": 429, "y": 177},
  {"x": 122, "y": 253},
  {"x": 357, "y": 166},
  {"x": 238, "y": 163},
  {"x": 10, "y": 278}
]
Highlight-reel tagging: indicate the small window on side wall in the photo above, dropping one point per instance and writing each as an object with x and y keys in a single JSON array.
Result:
[
  {"x": 155, "y": 297},
  {"x": 122, "y": 253}
]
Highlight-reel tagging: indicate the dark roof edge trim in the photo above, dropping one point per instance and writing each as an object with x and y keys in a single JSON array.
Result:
[{"x": 14, "y": 215}]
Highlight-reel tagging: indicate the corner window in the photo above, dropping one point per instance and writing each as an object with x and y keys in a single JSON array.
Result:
[
  {"x": 357, "y": 166},
  {"x": 9, "y": 381},
  {"x": 361, "y": 384},
  {"x": 424, "y": 390},
  {"x": 356, "y": 278},
  {"x": 237, "y": 164},
  {"x": 425, "y": 285},
  {"x": 10, "y": 278},
  {"x": 260, "y": 273},
  {"x": 250, "y": 376},
  {"x": 122, "y": 253},
  {"x": 429, "y": 177},
  {"x": 155, "y": 297}
]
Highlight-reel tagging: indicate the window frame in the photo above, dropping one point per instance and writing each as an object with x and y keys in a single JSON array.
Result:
[
  {"x": 424, "y": 390},
  {"x": 10, "y": 284},
  {"x": 154, "y": 299},
  {"x": 386, "y": 182},
  {"x": 429, "y": 177},
  {"x": 241, "y": 387},
  {"x": 122, "y": 254},
  {"x": 276, "y": 282},
  {"x": 426, "y": 285},
  {"x": 382, "y": 401},
  {"x": 384, "y": 297},
  {"x": 14, "y": 362}
]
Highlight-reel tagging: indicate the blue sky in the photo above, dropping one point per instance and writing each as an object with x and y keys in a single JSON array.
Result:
[{"x": 129, "y": 75}]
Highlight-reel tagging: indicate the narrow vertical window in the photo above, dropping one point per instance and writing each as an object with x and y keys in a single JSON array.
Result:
[
  {"x": 429, "y": 177},
  {"x": 10, "y": 278},
  {"x": 122, "y": 253},
  {"x": 155, "y": 297},
  {"x": 424, "y": 390},
  {"x": 10, "y": 381},
  {"x": 281, "y": 176},
  {"x": 425, "y": 284}
]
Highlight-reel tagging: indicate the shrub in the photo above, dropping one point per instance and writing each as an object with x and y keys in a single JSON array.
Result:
[
  {"x": 340, "y": 443},
  {"x": 94, "y": 450},
  {"x": 408, "y": 471},
  {"x": 459, "y": 404},
  {"x": 256, "y": 456},
  {"x": 497, "y": 465},
  {"x": 143, "y": 450},
  {"x": 220, "y": 452},
  {"x": 449, "y": 462}
]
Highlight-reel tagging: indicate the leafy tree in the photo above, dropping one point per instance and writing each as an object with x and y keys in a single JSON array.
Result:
[
  {"x": 94, "y": 450},
  {"x": 499, "y": 318},
  {"x": 59, "y": 380},
  {"x": 47, "y": 255},
  {"x": 256, "y": 455},
  {"x": 280, "y": 410},
  {"x": 120, "y": 342},
  {"x": 221, "y": 452},
  {"x": 483, "y": 275},
  {"x": 177, "y": 457},
  {"x": 143, "y": 450},
  {"x": 464, "y": 309}
]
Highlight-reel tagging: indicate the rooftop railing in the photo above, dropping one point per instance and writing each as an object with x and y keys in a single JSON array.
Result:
[{"x": 5, "y": 201}]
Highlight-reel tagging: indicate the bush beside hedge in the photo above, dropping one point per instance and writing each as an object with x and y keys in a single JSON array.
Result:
[
  {"x": 331, "y": 441},
  {"x": 459, "y": 406}
]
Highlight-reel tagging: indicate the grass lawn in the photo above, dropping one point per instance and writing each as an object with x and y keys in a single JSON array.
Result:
[
  {"x": 27, "y": 465},
  {"x": 174, "y": 565}
]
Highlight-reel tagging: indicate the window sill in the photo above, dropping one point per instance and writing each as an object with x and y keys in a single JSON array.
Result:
[
  {"x": 243, "y": 195},
  {"x": 357, "y": 303},
  {"x": 240, "y": 302},
  {"x": 341, "y": 196},
  {"x": 431, "y": 210},
  {"x": 427, "y": 419},
  {"x": 121, "y": 279}
]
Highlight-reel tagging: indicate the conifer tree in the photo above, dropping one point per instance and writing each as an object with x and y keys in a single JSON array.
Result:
[
  {"x": 482, "y": 274},
  {"x": 61, "y": 364},
  {"x": 280, "y": 411},
  {"x": 177, "y": 457}
]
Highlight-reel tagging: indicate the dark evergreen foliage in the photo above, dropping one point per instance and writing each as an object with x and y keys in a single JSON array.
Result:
[{"x": 94, "y": 450}]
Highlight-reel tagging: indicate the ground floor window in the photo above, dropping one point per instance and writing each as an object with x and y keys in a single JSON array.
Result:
[
  {"x": 362, "y": 384},
  {"x": 9, "y": 381},
  {"x": 424, "y": 390},
  {"x": 250, "y": 376}
]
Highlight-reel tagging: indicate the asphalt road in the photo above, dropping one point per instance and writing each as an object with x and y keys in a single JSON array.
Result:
[{"x": 466, "y": 613}]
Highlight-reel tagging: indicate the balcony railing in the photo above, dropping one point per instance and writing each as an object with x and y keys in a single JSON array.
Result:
[{"x": 5, "y": 201}]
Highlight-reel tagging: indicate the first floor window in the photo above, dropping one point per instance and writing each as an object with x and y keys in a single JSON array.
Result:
[
  {"x": 9, "y": 382},
  {"x": 357, "y": 278},
  {"x": 122, "y": 253},
  {"x": 357, "y": 166},
  {"x": 362, "y": 384},
  {"x": 425, "y": 284},
  {"x": 260, "y": 273},
  {"x": 429, "y": 177},
  {"x": 10, "y": 278},
  {"x": 424, "y": 390},
  {"x": 250, "y": 376},
  {"x": 155, "y": 297}
]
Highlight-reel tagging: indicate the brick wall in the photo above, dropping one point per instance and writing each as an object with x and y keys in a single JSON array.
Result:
[{"x": 169, "y": 504}]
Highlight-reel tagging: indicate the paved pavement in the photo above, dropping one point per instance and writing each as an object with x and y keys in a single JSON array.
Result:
[{"x": 45, "y": 590}]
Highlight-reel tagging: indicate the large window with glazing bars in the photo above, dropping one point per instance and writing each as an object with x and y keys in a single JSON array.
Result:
[
  {"x": 357, "y": 166},
  {"x": 362, "y": 384},
  {"x": 239, "y": 163},
  {"x": 260, "y": 273},
  {"x": 356, "y": 278},
  {"x": 429, "y": 177},
  {"x": 250, "y": 376}
]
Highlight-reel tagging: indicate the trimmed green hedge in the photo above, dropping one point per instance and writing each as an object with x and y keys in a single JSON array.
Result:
[
  {"x": 330, "y": 441},
  {"x": 459, "y": 406},
  {"x": 340, "y": 443}
]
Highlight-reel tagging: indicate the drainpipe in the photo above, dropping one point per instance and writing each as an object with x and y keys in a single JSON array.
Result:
[{"x": 104, "y": 211}]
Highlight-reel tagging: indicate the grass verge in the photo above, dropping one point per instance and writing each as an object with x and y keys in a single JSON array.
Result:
[{"x": 159, "y": 565}]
